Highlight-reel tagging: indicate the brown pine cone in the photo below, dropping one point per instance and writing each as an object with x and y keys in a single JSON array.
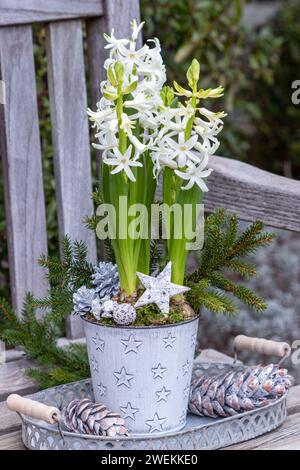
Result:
[
  {"x": 86, "y": 417},
  {"x": 237, "y": 390}
]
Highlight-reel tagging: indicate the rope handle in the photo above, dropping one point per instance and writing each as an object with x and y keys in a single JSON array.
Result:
[
  {"x": 33, "y": 409},
  {"x": 262, "y": 346}
]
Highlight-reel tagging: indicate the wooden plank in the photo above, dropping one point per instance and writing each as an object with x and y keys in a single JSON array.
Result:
[
  {"x": 12, "y": 441},
  {"x": 22, "y": 166},
  {"x": 118, "y": 15},
  {"x": 13, "y": 355},
  {"x": 13, "y": 379},
  {"x": 9, "y": 421},
  {"x": 70, "y": 135},
  {"x": 96, "y": 57},
  {"x": 210, "y": 355},
  {"x": 293, "y": 401},
  {"x": 13, "y": 12},
  {"x": 286, "y": 437},
  {"x": 254, "y": 194}
]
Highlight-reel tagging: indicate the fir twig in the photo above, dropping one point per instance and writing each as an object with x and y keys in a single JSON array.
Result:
[{"x": 225, "y": 251}]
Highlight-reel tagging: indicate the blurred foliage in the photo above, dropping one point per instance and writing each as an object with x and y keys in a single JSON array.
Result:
[
  {"x": 256, "y": 66},
  {"x": 275, "y": 142},
  {"x": 230, "y": 53}
]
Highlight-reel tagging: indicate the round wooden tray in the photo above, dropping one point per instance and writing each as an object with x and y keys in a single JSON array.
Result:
[{"x": 199, "y": 433}]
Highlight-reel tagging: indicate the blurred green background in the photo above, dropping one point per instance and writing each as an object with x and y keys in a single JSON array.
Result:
[{"x": 253, "y": 53}]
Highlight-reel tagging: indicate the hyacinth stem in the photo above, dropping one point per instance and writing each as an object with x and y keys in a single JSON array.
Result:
[
  {"x": 176, "y": 228},
  {"x": 174, "y": 194},
  {"x": 132, "y": 254}
]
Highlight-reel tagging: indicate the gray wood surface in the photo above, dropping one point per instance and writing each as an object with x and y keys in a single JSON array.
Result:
[
  {"x": 22, "y": 165},
  {"x": 254, "y": 194},
  {"x": 9, "y": 421},
  {"x": 13, "y": 378},
  {"x": 14, "y": 12},
  {"x": 12, "y": 441},
  {"x": 70, "y": 135},
  {"x": 119, "y": 13}
]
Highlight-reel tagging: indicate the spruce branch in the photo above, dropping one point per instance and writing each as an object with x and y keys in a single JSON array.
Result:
[
  {"x": 225, "y": 251},
  {"x": 244, "y": 294},
  {"x": 201, "y": 296}
]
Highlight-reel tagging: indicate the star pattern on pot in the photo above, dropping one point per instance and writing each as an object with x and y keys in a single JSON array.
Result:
[
  {"x": 129, "y": 411},
  {"x": 186, "y": 391},
  {"x": 159, "y": 289},
  {"x": 169, "y": 340},
  {"x": 123, "y": 378},
  {"x": 95, "y": 364},
  {"x": 158, "y": 371},
  {"x": 193, "y": 339},
  {"x": 131, "y": 344},
  {"x": 163, "y": 394},
  {"x": 182, "y": 418},
  {"x": 99, "y": 343},
  {"x": 156, "y": 423},
  {"x": 186, "y": 367},
  {"x": 102, "y": 389}
]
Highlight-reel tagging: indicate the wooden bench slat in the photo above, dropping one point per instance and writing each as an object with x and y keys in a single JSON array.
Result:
[
  {"x": 14, "y": 12},
  {"x": 13, "y": 378},
  {"x": 254, "y": 194},
  {"x": 118, "y": 15},
  {"x": 9, "y": 421},
  {"x": 293, "y": 401},
  {"x": 70, "y": 134},
  {"x": 22, "y": 165},
  {"x": 12, "y": 441}
]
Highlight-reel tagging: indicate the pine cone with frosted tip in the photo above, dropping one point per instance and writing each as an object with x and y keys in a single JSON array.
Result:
[
  {"x": 106, "y": 279},
  {"x": 86, "y": 417},
  {"x": 237, "y": 390},
  {"x": 82, "y": 299}
]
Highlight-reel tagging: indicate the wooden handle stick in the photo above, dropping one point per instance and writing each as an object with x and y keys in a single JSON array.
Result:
[
  {"x": 34, "y": 409},
  {"x": 262, "y": 346}
]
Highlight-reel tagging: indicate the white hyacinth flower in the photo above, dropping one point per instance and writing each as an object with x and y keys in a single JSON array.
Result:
[
  {"x": 136, "y": 29},
  {"x": 182, "y": 149},
  {"x": 127, "y": 124},
  {"x": 113, "y": 43},
  {"x": 123, "y": 162},
  {"x": 194, "y": 174}
]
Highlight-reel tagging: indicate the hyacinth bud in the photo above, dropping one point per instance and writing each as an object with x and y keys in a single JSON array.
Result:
[
  {"x": 193, "y": 73},
  {"x": 167, "y": 95},
  {"x": 119, "y": 71},
  {"x": 111, "y": 76}
]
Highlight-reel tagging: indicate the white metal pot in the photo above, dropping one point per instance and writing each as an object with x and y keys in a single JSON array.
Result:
[{"x": 143, "y": 372}]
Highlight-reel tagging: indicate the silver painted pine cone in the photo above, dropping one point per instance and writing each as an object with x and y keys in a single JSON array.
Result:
[
  {"x": 82, "y": 300},
  {"x": 237, "y": 390},
  {"x": 106, "y": 279},
  {"x": 85, "y": 417}
]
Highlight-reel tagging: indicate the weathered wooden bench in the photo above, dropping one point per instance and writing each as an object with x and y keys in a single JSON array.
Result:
[{"x": 239, "y": 187}]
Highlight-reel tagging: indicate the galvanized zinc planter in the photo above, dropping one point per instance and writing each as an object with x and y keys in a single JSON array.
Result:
[{"x": 143, "y": 372}]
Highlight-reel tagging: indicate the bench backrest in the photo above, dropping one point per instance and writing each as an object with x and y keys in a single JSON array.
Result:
[
  {"x": 241, "y": 188},
  {"x": 19, "y": 128}
]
